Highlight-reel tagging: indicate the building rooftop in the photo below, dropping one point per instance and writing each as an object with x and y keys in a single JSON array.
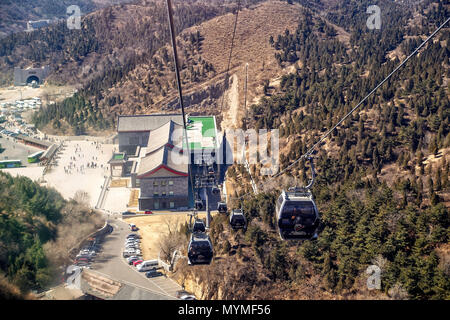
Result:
[
  {"x": 146, "y": 122},
  {"x": 165, "y": 157},
  {"x": 33, "y": 140},
  {"x": 169, "y": 133},
  {"x": 202, "y": 132}
]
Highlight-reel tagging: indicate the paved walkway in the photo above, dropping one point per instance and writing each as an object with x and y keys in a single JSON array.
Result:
[
  {"x": 74, "y": 170},
  {"x": 110, "y": 262}
]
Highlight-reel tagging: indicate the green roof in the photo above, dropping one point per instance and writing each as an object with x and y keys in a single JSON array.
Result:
[
  {"x": 201, "y": 132},
  {"x": 118, "y": 156}
]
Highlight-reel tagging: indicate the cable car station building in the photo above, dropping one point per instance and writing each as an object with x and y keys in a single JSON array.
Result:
[{"x": 154, "y": 145}]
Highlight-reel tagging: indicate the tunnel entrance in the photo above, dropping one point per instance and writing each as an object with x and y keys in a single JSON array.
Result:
[{"x": 31, "y": 78}]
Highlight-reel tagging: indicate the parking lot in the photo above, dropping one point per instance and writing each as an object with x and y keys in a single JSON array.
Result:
[
  {"x": 12, "y": 150},
  {"x": 111, "y": 262},
  {"x": 91, "y": 250}
]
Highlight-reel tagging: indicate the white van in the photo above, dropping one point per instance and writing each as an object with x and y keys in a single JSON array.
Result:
[{"x": 147, "y": 265}]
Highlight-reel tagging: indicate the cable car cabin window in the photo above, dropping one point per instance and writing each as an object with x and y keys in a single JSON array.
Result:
[
  {"x": 238, "y": 220},
  {"x": 199, "y": 249},
  {"x": 222, "y": 207},
  {"x": 200, "y": 245},
  {"x": 304, "y": 209},
  {"x": 199, "y": 226}
]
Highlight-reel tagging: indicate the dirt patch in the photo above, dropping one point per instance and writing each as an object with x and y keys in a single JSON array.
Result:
[
  {"x": 232, "y": 97},
  {"x": 134, "y": 198},
  {"x": 151, "y": 227},
  {"x": 47, "y": 93},
  {"x": 117, "y": 183}
]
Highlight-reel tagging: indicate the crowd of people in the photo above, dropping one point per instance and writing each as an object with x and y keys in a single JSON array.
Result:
[{"x": 80, "y": 161}]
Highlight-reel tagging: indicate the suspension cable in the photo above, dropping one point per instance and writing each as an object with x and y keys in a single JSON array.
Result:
[
  {"x": 310, "y": 151},
  {"x": 231, "y": 52},
  {"x": 180, "y": 93}
]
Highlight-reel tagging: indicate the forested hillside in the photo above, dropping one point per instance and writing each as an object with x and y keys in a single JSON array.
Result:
[
  {"x": 34, "y": 239},
  {"x": 110, "y": 44},
  {"x": 382, "y": 188},
  {"x": 383, "y": 185},
  {"x": 14, "y": 14}
]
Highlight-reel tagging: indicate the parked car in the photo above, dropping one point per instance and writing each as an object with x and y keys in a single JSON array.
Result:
[
  {"x": 137, "y": 262},
  {"x": 148, "y": 265},
  {"x": 153, "y": 274},
  {"x": 132, "y": 239},
  {"x": 128, "y": 213},
  {"x": 84, "y": 256},
  {"x": 130, "y": 252},
  {"x": 133, "y": 235},
  {"x": 81, "y": 261},
  {"x": 184, "y": 295},
  {"x": 131, "y": 244},
  {"x": 148, "y": 212},
  {"x": 132, "y": 259}
]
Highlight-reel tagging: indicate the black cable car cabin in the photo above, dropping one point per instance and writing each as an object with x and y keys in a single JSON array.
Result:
[
  {"x": 222, "y": 207},
  {"x": 199, "y": 226},
  {"x": 238, "y": 220},
  {"x": 215, "y": 190},
  {"x": 297, "y": 215},
  {"x": 198, "y": 204},
  {"x": 200, "y": 249}
]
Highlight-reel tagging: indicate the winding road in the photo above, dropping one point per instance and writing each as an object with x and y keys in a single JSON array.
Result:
[{"x": 111, "y": 263}]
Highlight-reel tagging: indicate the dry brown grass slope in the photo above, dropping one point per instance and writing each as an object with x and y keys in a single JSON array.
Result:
[{"x": 255, "y": 25}]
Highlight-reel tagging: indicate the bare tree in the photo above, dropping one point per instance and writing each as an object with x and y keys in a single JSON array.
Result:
[
  {"x": 82, "y": 197},
  {"x": 397, "y": 292},
  {"x": 172, "y": 240}
]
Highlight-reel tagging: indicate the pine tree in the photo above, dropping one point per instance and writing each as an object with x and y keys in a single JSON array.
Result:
[{"x": 437, "y": 179}]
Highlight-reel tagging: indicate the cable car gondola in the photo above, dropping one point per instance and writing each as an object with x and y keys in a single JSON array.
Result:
[
  {"x": 198, "y": 204},
  {"x": 215, "y": 190},
  {"x": 199, "y": 226},
  {"x": 297, "y": 214},
  {"x": 238, "y": 220},
  {"x": 200, "y": 249},
  {"x": 222, "y": 207}
]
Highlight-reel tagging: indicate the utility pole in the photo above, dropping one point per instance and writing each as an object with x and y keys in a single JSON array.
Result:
[
  {"x": 208, "y": 213},
  {"x": 245, "y": 96}
]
